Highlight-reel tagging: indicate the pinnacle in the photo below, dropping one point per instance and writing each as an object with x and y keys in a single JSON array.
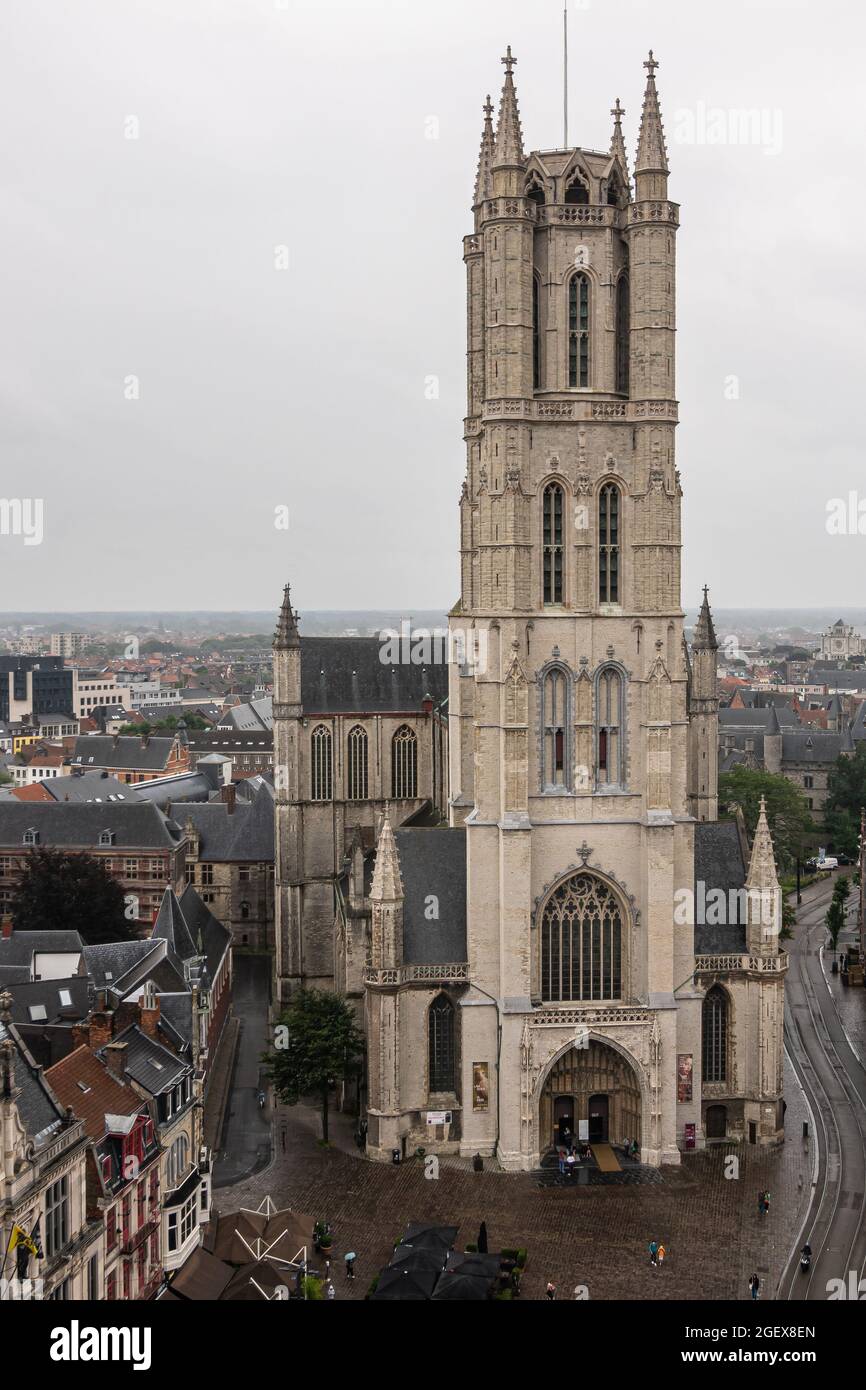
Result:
[
  {"x": 509, "y": 137},
  {"x": 762, "y": 863},
  {"x": 286, "y": 634},
  {"x": 704, "y": 637},
  {"x": 483, "y": 184},
  {"x": 387, "y": 884},
  {"x": 651, "y": 152},
  {"x": 617, "y": 143}
]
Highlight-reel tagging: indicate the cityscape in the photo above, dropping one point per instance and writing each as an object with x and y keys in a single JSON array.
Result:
[{"x": 505, "y": 946}]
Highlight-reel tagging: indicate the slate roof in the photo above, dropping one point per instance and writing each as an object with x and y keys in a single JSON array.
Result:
[
  {"x": 175, "y": 1017},
  {"x": 21, "y": 946},
  {"x": 433, "y": 862},
  {"x": 123, "y": 751},
  {"x": 216, "y": 939},
  {"x": 812, "y": 746},
  {"x": 249, "y": 717},
  {"x": 105, "y": 1095},
  {"x": 345, "y": 675},
  {"x": 40, "y": 1111},
  {"x": 755, "y": 718},
  {"x": 183, "y": 786},
  {"x": 71, "y": 825},
  {"x": 718, "y": 864},
  {"x": 142, "y": 1053},
  {"x": 246, "y": 835},
  {"x": 89, "y": 786},
  {"x": 841, "y": 680},
  {"x": 47, "y": 994}
]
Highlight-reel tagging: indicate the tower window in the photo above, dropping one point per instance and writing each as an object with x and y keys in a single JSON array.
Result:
[
  {"x": 555, "y": 727},
  {"x": 608, "y": 728},
  {"x": 622, "y": 334},
  {"x": 404, "y": 764},
  {"x": 552, "y": 545},
  {"x": 578, "y": 330},
  {"x": 576, "y": 192},
  {"x": 715, "y": 1035},
  {"x": 608, "y": 544},
  {"x": 581, "y": 942},
  {"x": 320, "y": 747},
  {"x": 440, "y": 1036},
  {"x": 357, "y": 764},
  {"x": 536, "y": 337},
  {"x": 535, "y": 191}
]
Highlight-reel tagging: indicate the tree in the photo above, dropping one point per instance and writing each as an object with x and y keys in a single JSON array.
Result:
[
  {"x": 787, "y": 811},
  {"x": 316, "y": 1045},
  {"x": 846, "y": 797},
  {"x": 70, "y": 892},
  {"x": 835, "y": 920}
]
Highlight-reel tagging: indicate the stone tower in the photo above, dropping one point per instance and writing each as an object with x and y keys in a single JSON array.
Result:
[
  {"x": 570, "y": 728},
  {"x": 288, "y": 866}
]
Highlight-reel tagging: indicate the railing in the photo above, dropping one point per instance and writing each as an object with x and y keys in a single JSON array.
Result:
[
  {"x": 417, "y": 974},
  {"x": 724, "y": 964},
  {"x": 600, "y": 1017}
]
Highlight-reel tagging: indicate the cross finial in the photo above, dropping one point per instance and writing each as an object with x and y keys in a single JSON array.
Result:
[
  {"x": 488, "y": 107},
  {"x": 509, "y": 61},
  {"x": 584, "y": 852},
  {"x": 651, "y": 64},
  {"x": 617, "y": 111}
]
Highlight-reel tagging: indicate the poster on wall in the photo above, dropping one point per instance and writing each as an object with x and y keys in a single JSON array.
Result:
[
  {"x": 480, "y": 1085},
  {"x": 684, "y": 1077}
]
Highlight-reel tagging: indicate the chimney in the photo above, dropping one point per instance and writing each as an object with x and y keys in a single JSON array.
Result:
[
  {"x": 101, "y": 1028},
  {"x": 7, "y": 929},
  {"x": 145, "y": 738},
  {"x": 115, "y": 740},
  {"x": 228, "y": 795},
  {"x": 150, "y": 1010},
  {"x": 115, "y": 1059}
]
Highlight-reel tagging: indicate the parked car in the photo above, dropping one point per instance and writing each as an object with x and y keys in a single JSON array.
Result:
[
  {"x": 816, "y": 866},
  {"x": 845, "y": 859}
]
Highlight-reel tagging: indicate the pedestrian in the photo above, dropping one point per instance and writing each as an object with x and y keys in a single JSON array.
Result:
[
  {"x": 760, "y": 1204},
  {"x": 482, "y": 1238},
  {"x": 550, "y": 1291},
  {"x": 350, "y": 1264},
  {"x": 754, "y": 1286},
  {"x": 766, "y": 1203},
  {"x": 570, "y": 1161},
  {"x": 332, "y": 1292},
  {"x": 654, "y": 1252},
  {"x": 561, "y": 1153},
  {"x": 660, "y": 1254}
]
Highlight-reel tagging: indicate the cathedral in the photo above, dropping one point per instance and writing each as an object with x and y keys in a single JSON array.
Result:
[{"x": 516, "y": 946}]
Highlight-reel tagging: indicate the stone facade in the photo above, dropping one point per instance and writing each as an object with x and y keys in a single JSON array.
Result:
[{"x": 583, "y": 735}]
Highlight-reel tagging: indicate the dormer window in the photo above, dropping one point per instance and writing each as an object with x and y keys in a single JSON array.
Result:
[
  {"x": 31, "y": 837},
  {"x": 106, "y": 837}
]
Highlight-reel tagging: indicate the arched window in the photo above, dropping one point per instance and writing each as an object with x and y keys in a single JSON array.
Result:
[
  {"x": 556, "y": 730},
  {"x": 535, "y": 191},
  {"x": 404, "y": 764},
  {"x": 552, "y": 543},
  {"x": 440, "y": 1035},
  {"x": 609, "y": 708},
  {"x": 578, "y": 330},
  {"x": 178, "y": 1160},
  {"x": 608, "y": 544},
  {"x": 320, "y": 747},
  {"x": 581, "y": 941},
  {"x": 576, "y": 192},
  {"x": 357, "y": 764},
  {"x": 622, "y": 334},
  {"x": 536, "y": 337},
  {"x": 715, "y": 1035}
]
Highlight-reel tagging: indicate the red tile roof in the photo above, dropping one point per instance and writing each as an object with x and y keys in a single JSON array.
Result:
[{"x": 105, "y": 1094}]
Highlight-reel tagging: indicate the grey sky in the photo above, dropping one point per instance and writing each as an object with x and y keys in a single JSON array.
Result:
[{"x": 304, "y": 124}]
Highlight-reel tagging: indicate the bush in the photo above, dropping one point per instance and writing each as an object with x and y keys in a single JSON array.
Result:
[
  {"x": 505, "y": 1294},
  {"x": 311, "y": 1288},
  {"x": 521, "y": 1258},
  {"x": 470, "y": 1250}
]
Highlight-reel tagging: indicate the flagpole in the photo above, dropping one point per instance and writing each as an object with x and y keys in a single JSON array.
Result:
[{"x": 565, "y": 73}]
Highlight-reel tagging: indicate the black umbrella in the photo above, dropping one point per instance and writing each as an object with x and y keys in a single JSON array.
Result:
[
  {"x": 462, "y": 1288},
  {"x": 482, "y": 1238},
  {"x": 474, "y": 1265},
  {"x": 417, "y": 1260},
  {"x": 426, "y": 1236},
  {"x": 405, "y": 1285}
]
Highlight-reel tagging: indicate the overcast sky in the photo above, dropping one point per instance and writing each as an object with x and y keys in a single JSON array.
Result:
[{"x": 149, "y": 264}]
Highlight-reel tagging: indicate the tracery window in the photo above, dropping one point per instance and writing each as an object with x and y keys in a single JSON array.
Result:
[
  {"x": 404, "y": 764},
  {"x": 715, "y": 1035},
  {"x": 608, "y": 544},
  {"x": 357, "y": 781},
  {"x": 609, "y": 709},
  {"x": 536, "y": 336},
  {"x": 581, "y": 941},
  {"x": 556, "y": 729},
  {"x": 440, "y": 1037},
  {"x": 578, "y": 330},
  {"x": 622, "y": 334},
  {"x": 320, "y": 745},
  {"x": 553, "y": 550}
]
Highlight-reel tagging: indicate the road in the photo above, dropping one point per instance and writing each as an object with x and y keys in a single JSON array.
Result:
[
  {"x": 246, "y": 1141},
  {"x": 835, "y": 1082}
]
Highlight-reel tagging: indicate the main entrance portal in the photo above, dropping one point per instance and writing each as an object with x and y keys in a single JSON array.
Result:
[{"x": 591, "y": 1092}]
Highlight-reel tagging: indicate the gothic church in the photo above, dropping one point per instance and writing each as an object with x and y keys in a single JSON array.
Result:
[{"x": 521, "y": 970}]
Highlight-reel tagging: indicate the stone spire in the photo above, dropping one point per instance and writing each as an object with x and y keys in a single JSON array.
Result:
[
  {"x": 286, "y": 634},
  {"x": 617, "y": 144},
  {"x": 387, "y": 884},
  {"x": 508, "y": 148},
  {"x": 652, "y": 156},
  {"x": 483, "y": 179},
  {"x": 704, "y": 637},
  {"x": 762, "y": 886}
]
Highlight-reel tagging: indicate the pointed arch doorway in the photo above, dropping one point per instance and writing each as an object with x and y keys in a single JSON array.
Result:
[{"x": 592, "y": 1091}]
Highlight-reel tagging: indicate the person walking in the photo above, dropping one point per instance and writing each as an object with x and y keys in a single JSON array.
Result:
[
  {"x": 482, "y": 1238},
  {"x": 754, "y": 1286},
  {"x": 654, "y": 1252},
  {"x": 760, "y": 1204},
  {"x": 660, "y": 1253},
  {"x": 766, "y": 1203},
  {"x": 350, "y": 1264},
  {"x": 550, "y": 1291},
  {"x": 332, "y": 1292}
]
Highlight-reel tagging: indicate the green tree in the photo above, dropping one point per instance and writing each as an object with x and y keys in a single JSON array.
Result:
[
  {"x": 70, "y": 892},
  {"x": 846, "y": 798},
  {"x": 316, "y": 1045},
  {"x": 787, "y": 810},
  {"x": 835, "y": 920}
]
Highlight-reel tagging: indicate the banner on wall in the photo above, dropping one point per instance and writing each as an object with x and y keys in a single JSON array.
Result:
[
  {"x": 480, "y": 1085},
  {"x": 684, "y": 1077}
]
